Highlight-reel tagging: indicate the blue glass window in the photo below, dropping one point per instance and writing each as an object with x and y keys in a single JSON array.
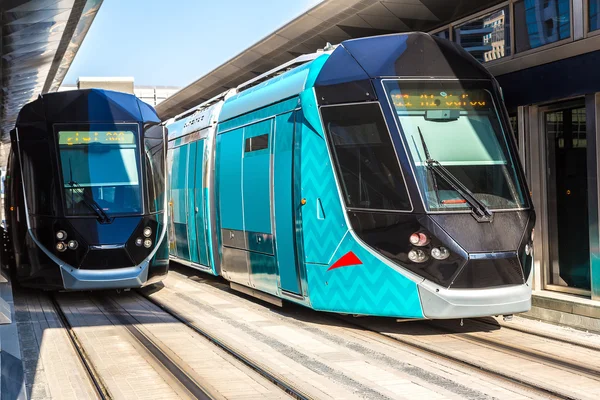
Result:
[
  {"x": 100, "y": 168},
  {"x": 458, "y": 125},
  {"x": 487, "y": 38},
  {"x": 594, "y": 11},
  {"x": 540, "y": 22}
]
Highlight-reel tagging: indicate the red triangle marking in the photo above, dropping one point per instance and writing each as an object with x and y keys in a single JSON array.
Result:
[{"x": 347, "y": 259}]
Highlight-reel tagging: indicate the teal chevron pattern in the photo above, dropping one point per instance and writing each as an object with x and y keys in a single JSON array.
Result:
[
  {"x": 323, "y": 223},
  {"x": 372, "y": 288}
]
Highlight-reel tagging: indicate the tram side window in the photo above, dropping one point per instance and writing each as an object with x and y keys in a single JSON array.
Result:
[
  {"x": 155, "y": 167},
  {"x": 366, "y": 162},
  {"x": 38, "y": 175}
]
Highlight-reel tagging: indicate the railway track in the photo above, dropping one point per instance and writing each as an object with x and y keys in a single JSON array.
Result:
[
  {"x": 538, "y": 387},
  {"x": 591, "y": 371},
  {"x": 189, "y": 384},
  {"x": 93, "y": 375},
  {"x": 476, "y": 334},
  {"x": 267, "y": 372},
  {"x": 546, "y": 335},
  {"x": 180, "y": 373},
  {"x": 520, "y": 351}
]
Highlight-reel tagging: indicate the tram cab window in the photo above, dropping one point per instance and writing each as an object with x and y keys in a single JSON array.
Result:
[
  {"x": 366, "y": 162},
  {"x": 100, "y": 164},
  {"x": 155, "y": 168},
  {"x": 456, "y": 126}
]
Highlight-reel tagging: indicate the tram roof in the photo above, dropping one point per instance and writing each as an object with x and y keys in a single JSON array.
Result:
[
  {"x": 86, "y": 105},
  {"x": 331, "y": 21},
  {"x": 39, "y": 41}
]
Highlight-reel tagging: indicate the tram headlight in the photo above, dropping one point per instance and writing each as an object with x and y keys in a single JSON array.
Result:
[
  {"x": 148, "y": 243},
  {"x": 139, "y": 241},
  {"x": 440, "y": 253},
  {"x": 61, "y": 246},
  {"x": 147, "y": 231},
  {"x": 417, "y": 256},
  {"x": 61, "y": 235},
  {"x": 419, "y": 239},
  {"x": 73, "y": 245}
]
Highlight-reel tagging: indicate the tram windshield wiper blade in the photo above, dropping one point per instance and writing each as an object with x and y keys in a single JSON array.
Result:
[
  {"x": 480, "y": 209},
  {"x": 91, "y": 203}
]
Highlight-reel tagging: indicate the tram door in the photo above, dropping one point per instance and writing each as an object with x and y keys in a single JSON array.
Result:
[
  {"x": 283, "y": 185},
  {"x": 567, "y": 194},
  {"x": 179, "y": 201},
  {"x": 256, "y": 183},
  {"x": 200, "y": 253}
]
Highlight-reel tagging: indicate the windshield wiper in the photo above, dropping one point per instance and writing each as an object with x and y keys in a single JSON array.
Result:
[
  {"x": 89, "y": 200},
  {"x": 480, "y": 210},
  {"x": 91, "y": 203}
]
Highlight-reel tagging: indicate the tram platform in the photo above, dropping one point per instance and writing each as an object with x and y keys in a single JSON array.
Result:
[{"x": 565, "y": 310}]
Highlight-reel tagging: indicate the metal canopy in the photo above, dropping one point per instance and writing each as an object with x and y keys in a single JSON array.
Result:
[
  {"x": 39, "y": 41},
  {"x": 331, "y": 21}
]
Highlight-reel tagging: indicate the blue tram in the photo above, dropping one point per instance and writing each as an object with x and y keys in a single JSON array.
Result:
[
  {"x": 85, "y": 199},
  {"x": 376, "y": 177}
]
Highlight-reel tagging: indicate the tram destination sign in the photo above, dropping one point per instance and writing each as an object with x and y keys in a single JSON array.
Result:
[
  {"x": 73, "y": 138},
  {"x": 440, "y": 100}
]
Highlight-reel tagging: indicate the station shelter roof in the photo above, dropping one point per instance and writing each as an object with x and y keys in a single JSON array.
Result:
[
  {"x": 38, "y": 43},
  {"x": 331, "y": 21}
]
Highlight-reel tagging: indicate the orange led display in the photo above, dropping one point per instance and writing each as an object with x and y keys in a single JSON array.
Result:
[
  {"x": 442, "y": 100},
  {"x": 72, "y": 138}
]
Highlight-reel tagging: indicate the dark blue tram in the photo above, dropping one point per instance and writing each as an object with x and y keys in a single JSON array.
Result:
[{"x": 85, "y": 200}]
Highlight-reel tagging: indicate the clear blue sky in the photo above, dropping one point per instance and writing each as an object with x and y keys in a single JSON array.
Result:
[{"x": 174, "y": 42}]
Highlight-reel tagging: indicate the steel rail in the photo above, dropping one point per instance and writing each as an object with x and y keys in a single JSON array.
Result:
[
  {"x": 93, "y": 375},
  {"x": 514, "y": 380},
  {"x": 279, "y": 381}
]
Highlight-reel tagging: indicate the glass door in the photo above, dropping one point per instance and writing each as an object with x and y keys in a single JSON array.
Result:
[{"x": 567, "y": 198}]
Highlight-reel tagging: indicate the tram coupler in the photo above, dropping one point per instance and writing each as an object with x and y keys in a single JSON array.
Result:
[{"x": 507, "y": 318}]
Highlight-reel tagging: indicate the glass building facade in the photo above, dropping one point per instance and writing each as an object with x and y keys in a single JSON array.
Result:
[
  {"x": 594, "y": 14},
  {"x": 541, "y": 22},
  {"x": 544, "y": 54}
]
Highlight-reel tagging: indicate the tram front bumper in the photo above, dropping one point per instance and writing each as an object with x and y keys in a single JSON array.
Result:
[
  {"x": 441, "y": 303},
  {"x": 97, "y": 279}
]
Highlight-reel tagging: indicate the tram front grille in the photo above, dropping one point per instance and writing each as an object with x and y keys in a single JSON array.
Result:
[
  {"x": 107, "y": 259},
  {"x": 479, "y": 274}
]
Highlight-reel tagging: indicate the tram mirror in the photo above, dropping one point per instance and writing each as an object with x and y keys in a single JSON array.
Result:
[{"x": 442, "y": 115}]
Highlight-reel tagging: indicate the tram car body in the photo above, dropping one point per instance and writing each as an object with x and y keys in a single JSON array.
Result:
[
  {"x": 86, "y": 199},
  {"x": 380, "y": 177}
]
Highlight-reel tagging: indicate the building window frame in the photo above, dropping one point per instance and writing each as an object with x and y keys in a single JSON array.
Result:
[
  {"x": 454, "y": 24},
  {"x": 582, "y": 5},
  {"x": 586, "y": 20}
]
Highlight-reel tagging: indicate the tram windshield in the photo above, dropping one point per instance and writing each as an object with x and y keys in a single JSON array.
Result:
[
  {"x": 100, "y": 169},
  {"x": 457, "y": 145}
]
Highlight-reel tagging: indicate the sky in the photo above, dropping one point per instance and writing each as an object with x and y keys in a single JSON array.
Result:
[{"x": 175, "y": 42}]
